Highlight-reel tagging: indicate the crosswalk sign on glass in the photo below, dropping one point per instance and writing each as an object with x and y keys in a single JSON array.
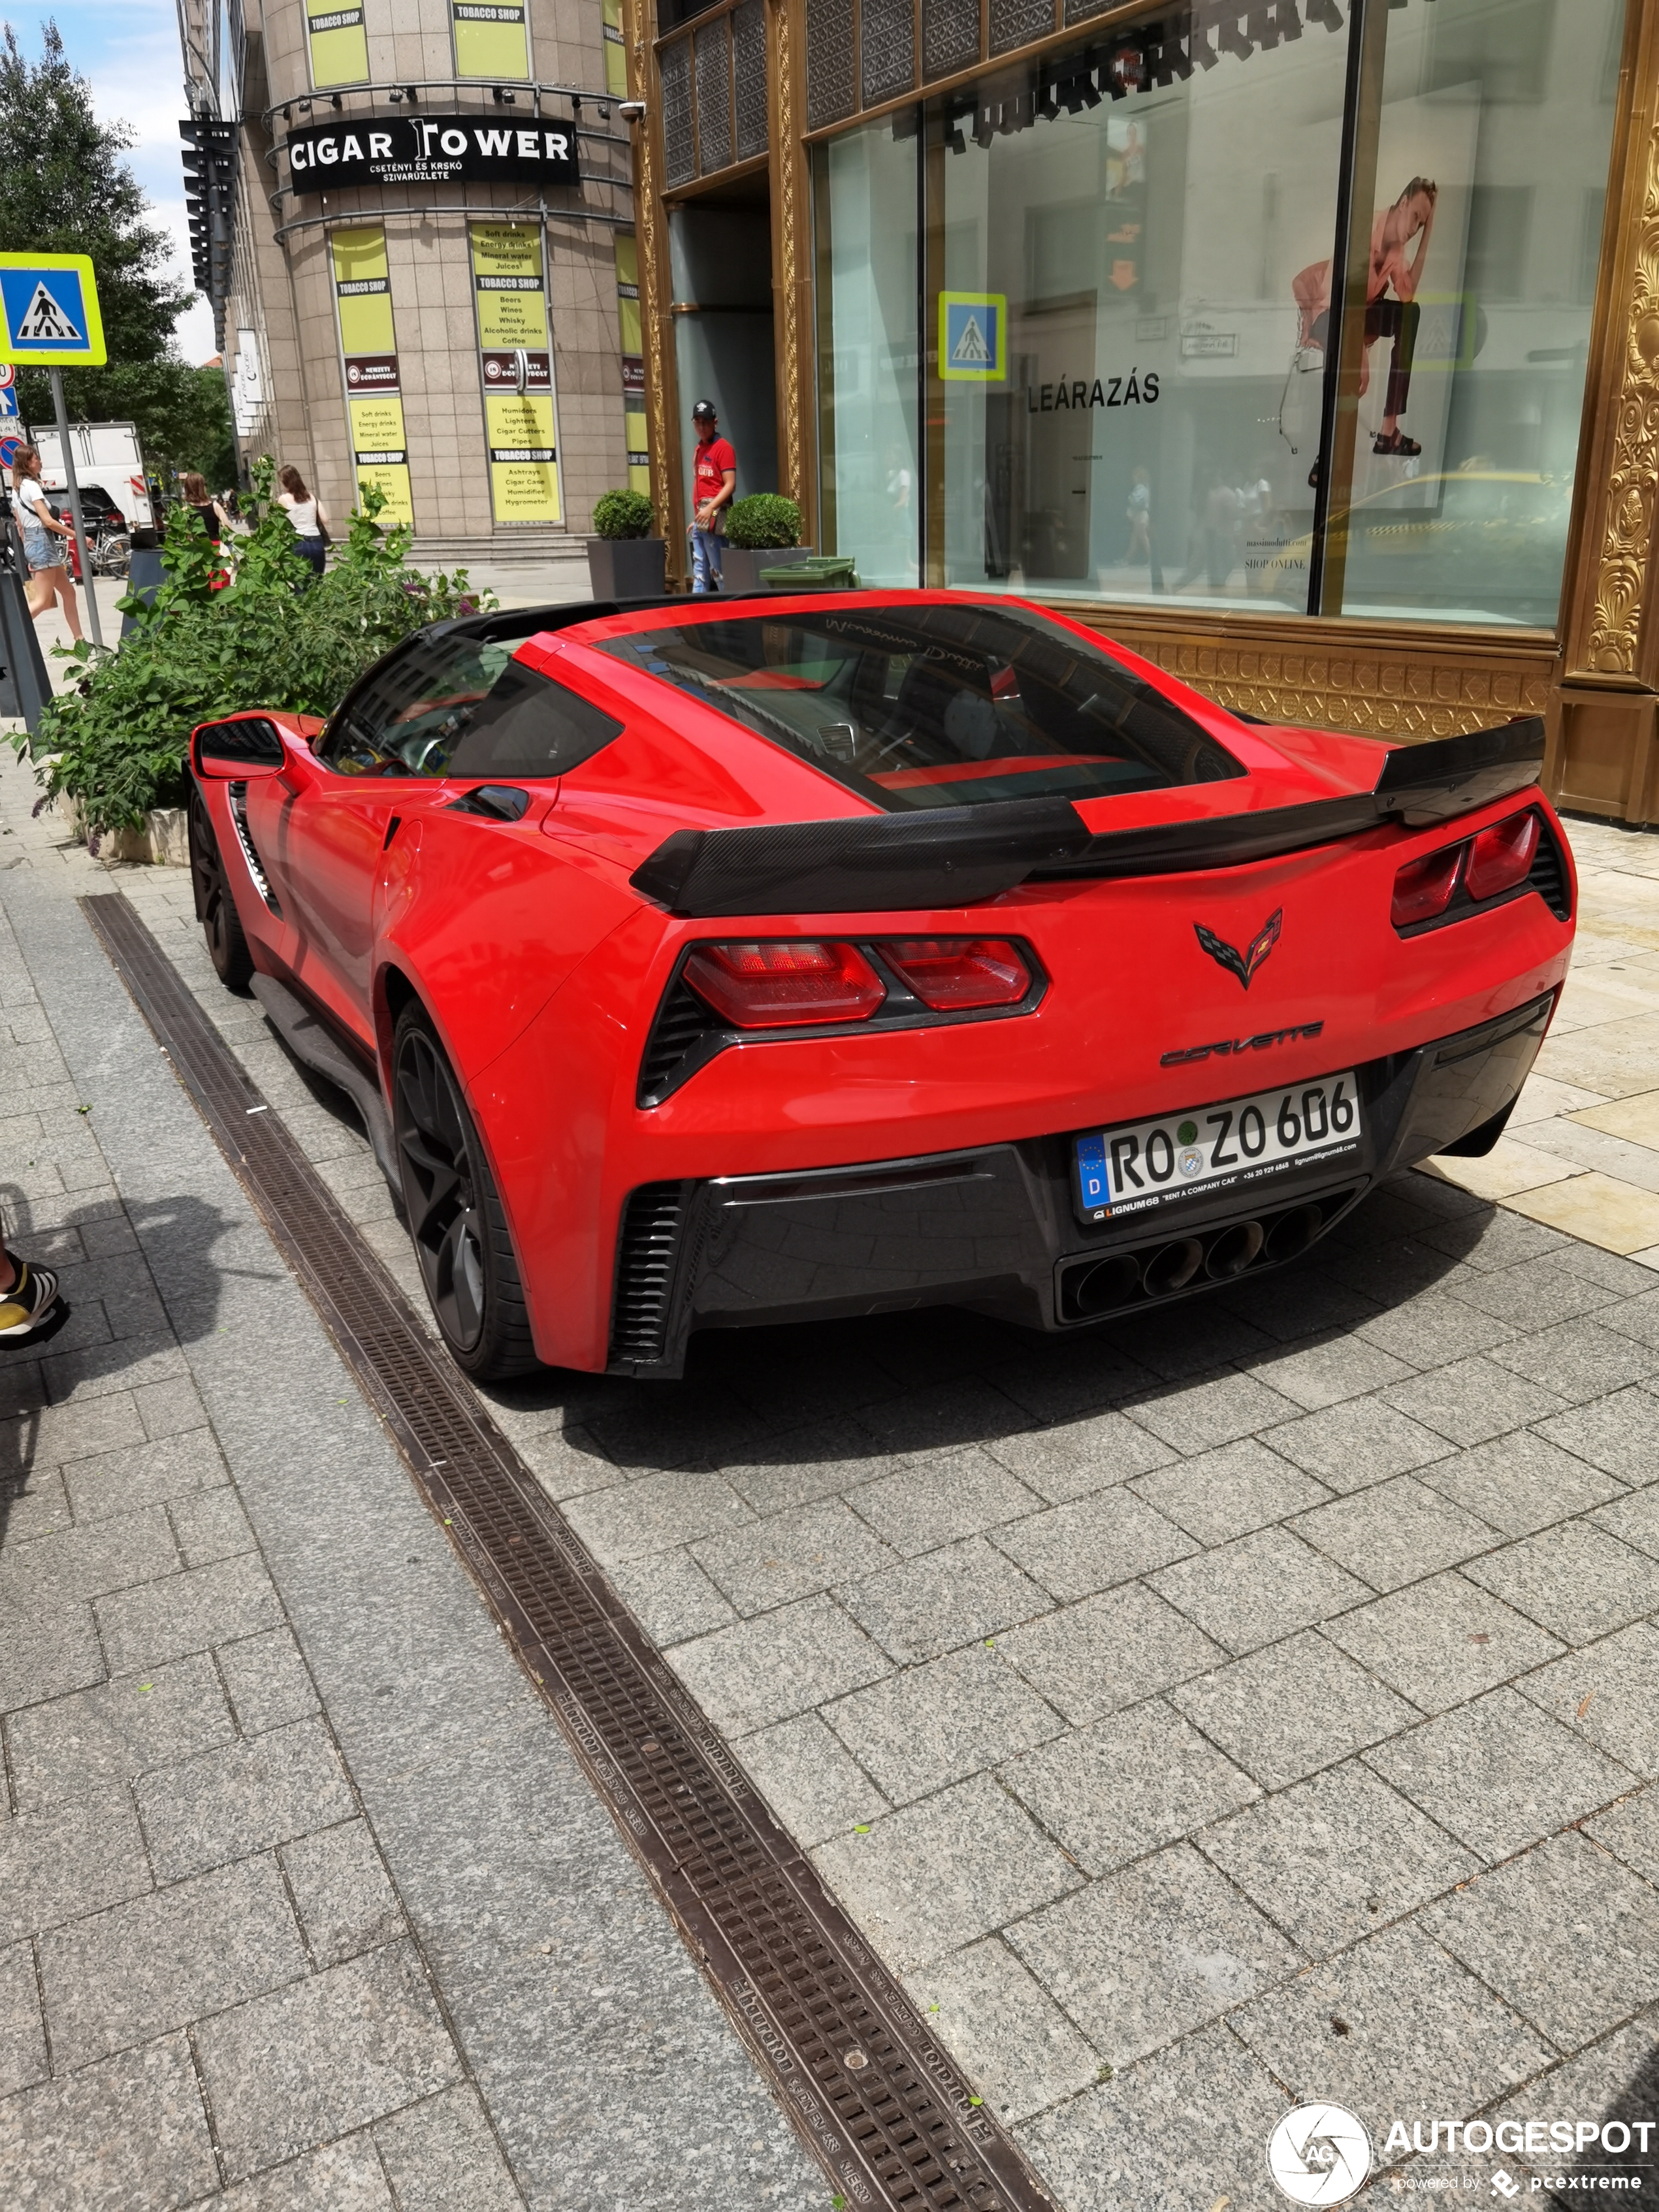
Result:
[
  {"x": 973, "y": 337},
  {"x": 49, "y": 309}
]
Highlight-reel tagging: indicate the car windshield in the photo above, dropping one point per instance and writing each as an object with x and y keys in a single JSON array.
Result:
[{"x": 923, "y": 706}]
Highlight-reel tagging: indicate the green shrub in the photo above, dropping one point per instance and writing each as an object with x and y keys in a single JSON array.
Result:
[
  {"x": 116, "y": 741},
  {"x": 765, "y": 518},
  {"x": 622, "y": 515}
]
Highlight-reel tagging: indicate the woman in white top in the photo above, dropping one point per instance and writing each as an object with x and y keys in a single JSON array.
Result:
[
  {"x": 306, "y": 513},
  {"x": 44, "y": 540}
]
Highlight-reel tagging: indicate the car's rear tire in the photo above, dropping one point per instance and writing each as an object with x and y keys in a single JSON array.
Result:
[
  {"x": 215, "y": 909},
  {"x": 460, "y": 1232}
]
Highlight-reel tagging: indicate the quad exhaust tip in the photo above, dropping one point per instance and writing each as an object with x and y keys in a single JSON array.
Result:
[{"x": 1090, "y": 1288}]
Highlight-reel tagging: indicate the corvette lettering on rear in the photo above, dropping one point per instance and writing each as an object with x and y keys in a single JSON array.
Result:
[{"x": 1225, "y": 1045}]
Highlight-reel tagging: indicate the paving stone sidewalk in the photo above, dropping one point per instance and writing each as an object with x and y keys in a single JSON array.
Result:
[
  {"x": 1254, "y": 1701},
  {"x": 303, "y": 1906}
]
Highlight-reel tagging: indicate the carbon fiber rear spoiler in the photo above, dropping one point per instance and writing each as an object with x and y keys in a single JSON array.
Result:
[
  {"x": 954, "y": 855},
  {"x": 863, "y": 863}
]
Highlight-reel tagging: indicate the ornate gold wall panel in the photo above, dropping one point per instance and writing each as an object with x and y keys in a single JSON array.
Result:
[
  {"x": 1378, "y": 683},
  {"x": 1613, "y": 645},
  {"x": 651, "y": 229},
  {"x": 1609, "y": 580},
  {"x": 792, "y": 246}
]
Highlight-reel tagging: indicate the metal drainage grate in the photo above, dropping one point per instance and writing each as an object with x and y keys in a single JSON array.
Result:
[{"x": 881, "y": 2105}]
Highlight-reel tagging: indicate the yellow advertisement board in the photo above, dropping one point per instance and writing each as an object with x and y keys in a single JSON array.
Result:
[
  {"x": 506, "y": 284},
  {"x": 363, "y": 287},
  {"x": 632, "y": 349},
  {"x": 339, "y": 43},
  {"x": 380, "y": 454},
  {"x": 524, "y": 473},
  {"x": 521, "y": 428},
  {"x": 362, "y": 294},
  {"x": 491, "y": 38},
  {"x": 377, "y": 429},
  {"x": 616, "y": 53},
  {"x": 628, "y": 292}
]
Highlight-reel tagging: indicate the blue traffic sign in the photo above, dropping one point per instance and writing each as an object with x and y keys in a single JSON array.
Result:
[
  {"x": 49, "y": 309},
  {"x": 8, "y": 399}
]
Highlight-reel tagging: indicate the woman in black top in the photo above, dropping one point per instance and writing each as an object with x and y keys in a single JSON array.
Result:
[{"x": 196, "y": 496}]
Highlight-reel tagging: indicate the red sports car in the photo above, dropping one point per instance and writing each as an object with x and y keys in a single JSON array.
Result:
[{"x": 703, "y": 963}]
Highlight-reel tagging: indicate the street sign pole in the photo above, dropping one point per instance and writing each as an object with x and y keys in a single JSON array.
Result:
[
  {"x": 50, "y": 319},
  {"x": 86, "y": 578}
]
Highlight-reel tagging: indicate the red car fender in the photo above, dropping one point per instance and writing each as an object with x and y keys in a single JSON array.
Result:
[{"x": 548, "y": 1108}]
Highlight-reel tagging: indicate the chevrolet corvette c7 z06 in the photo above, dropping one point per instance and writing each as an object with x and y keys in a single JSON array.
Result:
[{"x": 697, "y": 964}]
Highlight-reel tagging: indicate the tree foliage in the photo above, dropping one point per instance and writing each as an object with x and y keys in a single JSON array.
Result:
[
  {"x": 67, "y": 190},
  {"x": 275, "y": 636}
]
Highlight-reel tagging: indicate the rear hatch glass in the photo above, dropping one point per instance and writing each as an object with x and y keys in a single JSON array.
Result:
[{"x": 933, "y": 706}]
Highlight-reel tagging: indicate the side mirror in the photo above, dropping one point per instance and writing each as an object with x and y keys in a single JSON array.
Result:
[{"x": 237, "y": 751}]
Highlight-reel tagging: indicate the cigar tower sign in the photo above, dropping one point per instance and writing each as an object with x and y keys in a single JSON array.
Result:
[{"x": 442, "y": 149}]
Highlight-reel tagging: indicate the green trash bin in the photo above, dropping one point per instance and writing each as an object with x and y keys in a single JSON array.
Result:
[{"x": 819, "y": 572}]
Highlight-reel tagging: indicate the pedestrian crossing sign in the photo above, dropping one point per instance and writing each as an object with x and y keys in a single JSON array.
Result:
[
  {"x": 49, "y": 315},
  {"x": 973, "y": 337}
]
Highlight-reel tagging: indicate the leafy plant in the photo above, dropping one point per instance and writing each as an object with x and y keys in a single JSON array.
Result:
[
  {"x": 70, "y": 190},
  {"x": 116, "y": 741},
  {"x": 765, "y": 518},
  {"x": 622, "y": 515}
]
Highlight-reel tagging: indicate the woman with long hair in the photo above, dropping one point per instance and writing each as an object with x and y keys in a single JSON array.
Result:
[
  {"x": 45, "y": 538},
  {"x": 305, "y": 512},
  {"x": 196, "y": 496}
]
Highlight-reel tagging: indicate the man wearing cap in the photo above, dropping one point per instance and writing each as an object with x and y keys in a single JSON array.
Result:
[{"x": 714, "y": 479}]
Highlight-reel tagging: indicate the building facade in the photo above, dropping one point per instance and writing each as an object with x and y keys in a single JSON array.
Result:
[
  {"x": 425, "y": 268},
  {"x": 1310, "y": 346}
]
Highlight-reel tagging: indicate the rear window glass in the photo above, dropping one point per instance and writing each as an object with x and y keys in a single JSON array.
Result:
[
  {"x": 935, "y": 706},
  {"x": 459, "y": 706}
]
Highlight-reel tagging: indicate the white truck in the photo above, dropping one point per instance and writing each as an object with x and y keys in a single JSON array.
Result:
[{"x": 108, "y": 468}]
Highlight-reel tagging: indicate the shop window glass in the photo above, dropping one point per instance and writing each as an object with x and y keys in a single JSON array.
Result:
[
  {"x": 1122, "y": 408},
  {"x": 1124, "y": 315},
  {"x": 1492, "y": 143},
  {"x": 869, "y": 389}
]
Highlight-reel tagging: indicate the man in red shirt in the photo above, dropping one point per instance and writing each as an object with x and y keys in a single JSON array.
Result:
[{"x": 714, "y": 477}]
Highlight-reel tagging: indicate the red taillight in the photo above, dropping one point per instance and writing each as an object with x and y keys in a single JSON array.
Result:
[
  {"x": 1501, "y": 856},
  {"x": 1423, "y": 889},
  {"x": 760, "y": 985},
  {"x": 950, "y": 972},
  {"x": 1490, "y": 862}
]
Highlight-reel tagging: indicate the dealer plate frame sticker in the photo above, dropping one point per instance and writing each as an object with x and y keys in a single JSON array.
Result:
[{"x": 1139, "y": 1167}]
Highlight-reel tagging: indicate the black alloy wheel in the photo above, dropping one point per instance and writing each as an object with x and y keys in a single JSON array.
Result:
[
  {"x": 455, "y": 1216},
  {"x": 215, "y": 909}
]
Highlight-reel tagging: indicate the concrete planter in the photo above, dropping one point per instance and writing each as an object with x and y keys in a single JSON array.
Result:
[
  {"x": 627, "y": 568},
  {"x": 742, "y": 567},
  {"x": 163, "y": 842}
]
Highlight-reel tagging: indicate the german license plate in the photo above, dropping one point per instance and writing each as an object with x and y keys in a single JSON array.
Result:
[{"x": 1146, "y": 1164}]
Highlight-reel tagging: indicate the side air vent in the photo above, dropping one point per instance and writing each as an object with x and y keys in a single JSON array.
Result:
[
  {"x": 651, "y": 1221},
  {"x": 238, "y": 795},
  {"x": 1548, "y": 873},
  {"x": 683, "y": 1024}
]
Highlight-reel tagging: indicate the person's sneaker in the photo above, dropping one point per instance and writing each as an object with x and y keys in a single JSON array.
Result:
[{"x": 29, "y": 1300}]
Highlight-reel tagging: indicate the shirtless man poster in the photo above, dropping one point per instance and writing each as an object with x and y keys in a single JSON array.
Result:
[{"x": 1400, "y": 240}]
